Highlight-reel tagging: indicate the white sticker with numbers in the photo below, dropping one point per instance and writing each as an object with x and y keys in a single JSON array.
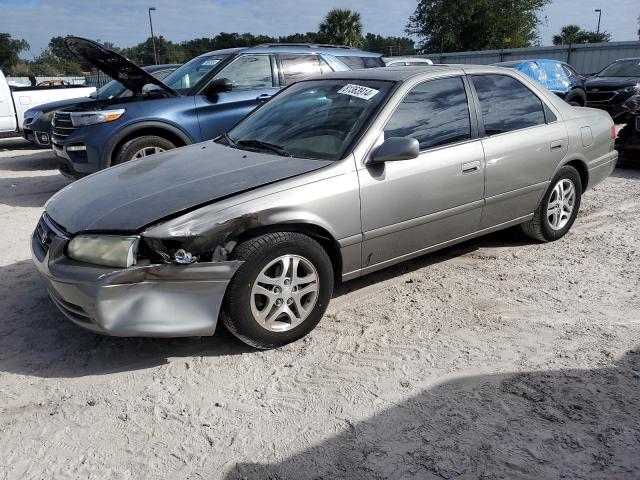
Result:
[{"x": 358, "y": 91}]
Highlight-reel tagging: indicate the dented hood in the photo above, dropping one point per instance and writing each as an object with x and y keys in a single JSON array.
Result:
[
  {"x": 131, "y": 196},
  {"x": 113, "y": 64}
]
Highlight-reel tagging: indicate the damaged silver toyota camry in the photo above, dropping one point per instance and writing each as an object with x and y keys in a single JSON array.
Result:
[{"x": 335, "y": 177}]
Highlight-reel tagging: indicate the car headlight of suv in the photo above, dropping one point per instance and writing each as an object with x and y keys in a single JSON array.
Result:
[
  {"x": 633, "y": 89},
  {"x": 107, "y": 250},
  {"x": 79, "y": 119}
]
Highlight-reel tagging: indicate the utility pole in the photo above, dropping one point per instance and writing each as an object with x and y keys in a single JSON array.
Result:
[
  {"x": 153, "y": 38},
  {"x": 599, "y": 12}
]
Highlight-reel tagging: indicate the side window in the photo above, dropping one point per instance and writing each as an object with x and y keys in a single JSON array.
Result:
[
  {"x": 249, "y": 72},
  {"x": 297, "y": 67},
  {"x": 435, "y": 113},
  {"x": 506, "y": 104}
]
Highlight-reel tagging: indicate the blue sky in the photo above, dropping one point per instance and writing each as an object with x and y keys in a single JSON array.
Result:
[{"x": 125, "y": 22}]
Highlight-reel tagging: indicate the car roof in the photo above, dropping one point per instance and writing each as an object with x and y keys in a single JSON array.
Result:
[
  {"x": 336, "y": 50},
  {"x": 404, "y": 73},
  {"x": 512, "y": 63}
]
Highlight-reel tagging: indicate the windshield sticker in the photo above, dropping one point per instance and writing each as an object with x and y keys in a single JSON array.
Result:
[
  {"x": 209, "y": 63},
  {"x": 358, "y": 91}
]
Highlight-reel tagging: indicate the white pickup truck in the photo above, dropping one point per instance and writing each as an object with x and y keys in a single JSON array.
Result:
[{"x": 14, "y": 101}]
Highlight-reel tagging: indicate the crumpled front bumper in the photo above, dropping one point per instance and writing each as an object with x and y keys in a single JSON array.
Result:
[{"x": 160, "y": 300}]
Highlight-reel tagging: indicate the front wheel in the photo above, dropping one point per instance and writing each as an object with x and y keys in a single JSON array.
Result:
[
  {"x": 141, "y": 147},
  {"x": 558, "y": 208},
  {"x": 281, "y": 290}
]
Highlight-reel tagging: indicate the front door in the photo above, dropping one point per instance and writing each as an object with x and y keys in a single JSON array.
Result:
[
  {"x": 411, "y": 205},
  {"x": 254, "y": 81}
]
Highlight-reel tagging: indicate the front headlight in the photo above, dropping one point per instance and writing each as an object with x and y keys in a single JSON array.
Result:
[
  {"x": 79, "y": 119},
  {"x": 633, "y": 89},
  {"x": 107, "y": 250}
]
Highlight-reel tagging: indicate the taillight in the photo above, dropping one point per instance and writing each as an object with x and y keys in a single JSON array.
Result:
[{"x": 613, "y": 133}]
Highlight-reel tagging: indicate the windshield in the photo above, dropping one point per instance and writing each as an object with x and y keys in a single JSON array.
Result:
[
  {"x": 622, "y": 68},
  {"x": 314, "y": 119},
  {"x": 112, "y": 89},
  {"x": 191, "y": 72}
]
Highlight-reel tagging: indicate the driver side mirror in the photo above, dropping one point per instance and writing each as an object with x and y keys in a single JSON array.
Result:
[
  {"x": 217, "y": 86},
  {"x": 394, "y": 149}
]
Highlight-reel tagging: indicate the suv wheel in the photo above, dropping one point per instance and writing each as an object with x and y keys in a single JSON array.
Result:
[{"x": 141, "y": 147}]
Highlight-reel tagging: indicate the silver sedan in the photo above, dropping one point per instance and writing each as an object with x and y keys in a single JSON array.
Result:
[{"x": 333, "y": 178}]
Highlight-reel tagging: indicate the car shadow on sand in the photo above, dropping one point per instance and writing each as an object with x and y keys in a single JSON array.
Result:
[
  {"x": 36, "y": 339},
  {"x": 571, "y": 424}
]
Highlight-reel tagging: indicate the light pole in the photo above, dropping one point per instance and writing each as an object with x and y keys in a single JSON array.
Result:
[
  {"x": 599, "y": 11},
  {"x": 153, "y": 38}
]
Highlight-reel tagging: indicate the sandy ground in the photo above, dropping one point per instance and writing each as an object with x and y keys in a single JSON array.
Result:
[{"x": 496, "y": 359}]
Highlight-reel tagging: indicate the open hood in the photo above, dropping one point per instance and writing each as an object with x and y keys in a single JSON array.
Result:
[{"x": 113, "y": 64}]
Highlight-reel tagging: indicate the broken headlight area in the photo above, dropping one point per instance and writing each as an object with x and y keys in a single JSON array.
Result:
[{"x": 181, "y": 252}]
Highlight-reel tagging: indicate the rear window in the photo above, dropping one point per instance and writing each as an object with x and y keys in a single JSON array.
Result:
[
  {"x": 297, "y": 67},
  {"x": 356, "y": 63}
]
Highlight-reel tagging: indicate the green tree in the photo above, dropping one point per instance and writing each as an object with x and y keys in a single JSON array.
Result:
[
  {"x": 342, "y": 26},
  {"x": 458, "y": 25},
  {"x": 10, "y": 49},
  {"x": 574, "y": 34}
]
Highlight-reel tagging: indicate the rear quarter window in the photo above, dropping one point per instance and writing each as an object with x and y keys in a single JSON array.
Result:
[
  {"x": 507, "y": 104},
  {"x": 357, "y": 63}
]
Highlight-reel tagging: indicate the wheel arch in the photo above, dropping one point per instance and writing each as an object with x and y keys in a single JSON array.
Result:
[
  {"x": 317, "y": 232},
  {"x": 172, "y": 133},
  {"x": 582, "y": 169}
]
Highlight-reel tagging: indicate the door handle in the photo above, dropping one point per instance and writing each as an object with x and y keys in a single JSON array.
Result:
[
  {"x": 556, "y": 146},
  {"x": 264, "y": 97},
  {"x": 471, "y": 167}
]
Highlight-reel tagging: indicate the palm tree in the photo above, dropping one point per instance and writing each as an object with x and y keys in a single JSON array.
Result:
[{"x": 342, "y": 26}]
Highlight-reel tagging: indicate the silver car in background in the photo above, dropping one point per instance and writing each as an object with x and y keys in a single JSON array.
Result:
[{"x": 333, "y": 178}]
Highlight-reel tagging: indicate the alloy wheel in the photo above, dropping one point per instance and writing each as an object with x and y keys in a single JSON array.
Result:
[
  {"x": 561, "y": 204},
  {"x": 146, "y": 151},
  {"x": 284, "y": 293}
]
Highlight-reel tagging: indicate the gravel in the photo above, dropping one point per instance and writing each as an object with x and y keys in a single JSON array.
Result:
[{"x": 499, "y": 358}]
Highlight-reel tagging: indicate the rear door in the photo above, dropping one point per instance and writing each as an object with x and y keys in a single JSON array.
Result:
[
  {"x": 254, "y": 80},
  {"x": 411, "y": 205},
  {"x": 7, "y": 111},
  {"x": 523, "y": 144}
]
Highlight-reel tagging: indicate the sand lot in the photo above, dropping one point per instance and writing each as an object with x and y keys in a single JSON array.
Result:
[{"x": 496, "y": 359}]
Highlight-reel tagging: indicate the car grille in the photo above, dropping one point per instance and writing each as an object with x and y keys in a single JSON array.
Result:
[
  {"x": 601, "y": 96},
  {"x": 44, "y": 234},
  {"x": 62, "y": 127}
]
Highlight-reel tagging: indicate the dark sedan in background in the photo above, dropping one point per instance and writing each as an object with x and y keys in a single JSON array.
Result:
[{"x": 613, "y": 86}]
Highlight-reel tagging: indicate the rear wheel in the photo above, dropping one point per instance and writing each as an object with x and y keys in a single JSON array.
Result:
[
  {"x": 558, "y": 208},
  {"x": 281, "y": 290},
  {"x": 141, "y": 147},
  {"x": 576, "y": 98}
]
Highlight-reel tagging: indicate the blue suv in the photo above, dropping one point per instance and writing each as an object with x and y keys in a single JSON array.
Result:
[{"x": 199, "y": 101}]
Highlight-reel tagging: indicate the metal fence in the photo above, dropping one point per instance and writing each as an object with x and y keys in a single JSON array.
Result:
[{"x": 586, "y": 58}]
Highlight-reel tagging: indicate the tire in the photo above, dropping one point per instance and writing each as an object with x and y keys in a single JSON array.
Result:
[
  {"x": 130, "y": 149},
  {"x": 254, "y": 318},
  {"x": 540, "y": 227}
]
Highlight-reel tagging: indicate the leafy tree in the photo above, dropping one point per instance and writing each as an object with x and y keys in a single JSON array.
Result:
[
  {"x": 10, "y": 48},
  {"x": 574, "y": 34},
  {"x": 455, "y": 25},
  {"x": 342, "y": 26}
]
